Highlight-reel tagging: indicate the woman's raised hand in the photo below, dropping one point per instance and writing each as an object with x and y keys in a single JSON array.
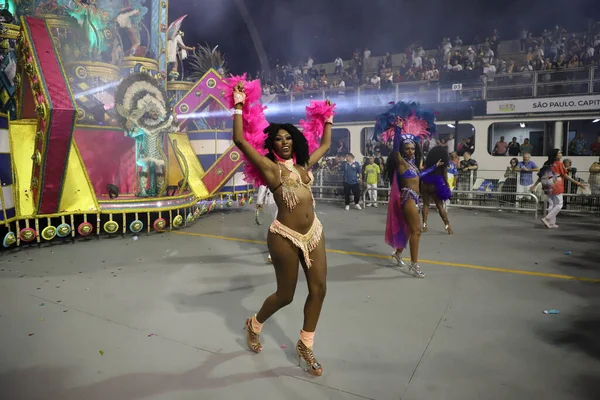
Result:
[
  {"x": 239, "y": 97},
  {"x": 330, "y": 119}
]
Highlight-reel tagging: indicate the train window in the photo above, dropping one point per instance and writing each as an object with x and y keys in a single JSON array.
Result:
[
  {"x": 581, "y": 138},
  {"x": 369, "y": 147},
  {"x": 534, "y": 138},
  {"x": 340, "y": 141},
  {"x": 459, "y": 138}
]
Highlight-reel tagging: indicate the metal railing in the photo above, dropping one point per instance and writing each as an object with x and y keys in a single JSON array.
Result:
[
  {"x": 481, "y": 189},
  {"x": 530, "y": 84}
]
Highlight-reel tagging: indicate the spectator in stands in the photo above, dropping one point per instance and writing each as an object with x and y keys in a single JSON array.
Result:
[
  {"x": 342, "y": 149},
  {"x": 523, "y": 40},
  {"x": 526, "y": 167},
  {"x": 372, "y": 176},
  {"x": 339, "y": 65},
  {"x": 578, "y": 145},
  {"x": 376, "y": 81},
  {"x": 500, "y": 148},
  {"x": 351, "y": 171},
  {"x": 595, "y": 147},
  {"x": 514, "y": 148},
  {"x": 489, "y": 70},
  {"x": 526, "y": 148}
]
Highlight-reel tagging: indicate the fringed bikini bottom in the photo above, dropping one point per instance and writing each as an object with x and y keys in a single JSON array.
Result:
[
  {"x": 306, "y": 242},
  {"x": 406, "y": 194}
]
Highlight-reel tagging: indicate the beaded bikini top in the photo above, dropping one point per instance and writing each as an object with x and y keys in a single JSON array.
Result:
[{"x": 290, "y": 183}]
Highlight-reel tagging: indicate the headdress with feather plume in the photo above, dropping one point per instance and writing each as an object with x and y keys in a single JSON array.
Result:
[
  {"x": 416, "y": 123},
  {"x": 203, "y": 59},
  {"x": 255, "y": 123}
]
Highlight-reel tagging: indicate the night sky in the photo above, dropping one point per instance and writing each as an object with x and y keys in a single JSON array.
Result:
[{"x": 291, "y": 30}]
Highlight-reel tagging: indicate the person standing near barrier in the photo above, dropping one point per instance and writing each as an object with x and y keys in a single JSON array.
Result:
[
  {"x": 351, "y": 172},
  {"x": 552, "y": 176},
  {"x": 526, "y": 167},
  {"x": 372, "y": 173}
]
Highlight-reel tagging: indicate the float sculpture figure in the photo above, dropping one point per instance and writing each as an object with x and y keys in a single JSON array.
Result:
[{"x": 144, "y": 113}]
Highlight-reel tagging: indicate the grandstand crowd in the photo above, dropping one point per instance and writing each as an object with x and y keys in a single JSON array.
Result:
[{"x": 554, "y": 50}]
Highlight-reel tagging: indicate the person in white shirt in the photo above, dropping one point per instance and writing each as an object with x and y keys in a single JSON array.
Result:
[
  {"x": 339, "y": 64},
  {"x": 310, "y": 63},
  {"x": 367, "y": 53},
  {"x": 489, "y": 70},
  {"x": 457, "y": 66},
  {"x": 488, "y": 56},
  {"x": 376, "y": 81}
]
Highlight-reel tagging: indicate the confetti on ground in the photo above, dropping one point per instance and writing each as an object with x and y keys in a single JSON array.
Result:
[
  {"x": 59, "y": 301},
  {"x": 101, "y": 352},
  {"x": 150, "y": 335},
  {"x": 41, "y": 319},
  {"x": 283, "y": 346},
  {"x": 65, "y": 310},
  {"x": 31, "y": 334},
  {"x": 567, "y": 253},
  {"x": 42, "y": 304}
]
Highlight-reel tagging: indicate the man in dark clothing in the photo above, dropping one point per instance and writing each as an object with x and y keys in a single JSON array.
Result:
[{"x": 351, "y": 171}]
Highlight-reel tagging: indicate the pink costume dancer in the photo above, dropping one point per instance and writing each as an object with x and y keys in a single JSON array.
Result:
[
  {"x": 280, "y": 157},
  {"x": 404, "y": 123}
]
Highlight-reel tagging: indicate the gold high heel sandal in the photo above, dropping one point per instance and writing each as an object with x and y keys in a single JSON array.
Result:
[
  {"x": 252, "y": 338},
  {"x": 306, "y": 354},
  {"x": 449, "y": 230}
]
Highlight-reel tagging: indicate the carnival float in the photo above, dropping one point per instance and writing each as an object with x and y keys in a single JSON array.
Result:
[{"x": 100, "y": 134}]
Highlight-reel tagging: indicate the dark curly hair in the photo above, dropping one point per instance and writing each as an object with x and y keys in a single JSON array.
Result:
[
  {"x": 391, "y": 165},
  {"x": 436, "y": 154},
  {"x": 299, "y": 147}
]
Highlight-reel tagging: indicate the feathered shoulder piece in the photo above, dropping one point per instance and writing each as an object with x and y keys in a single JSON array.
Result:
[
  {"x": 416, "y": 122},
  {"x": 255, "y": 124}
]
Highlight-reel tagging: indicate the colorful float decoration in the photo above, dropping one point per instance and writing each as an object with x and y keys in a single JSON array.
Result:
[{"x": 101, "y": 150}]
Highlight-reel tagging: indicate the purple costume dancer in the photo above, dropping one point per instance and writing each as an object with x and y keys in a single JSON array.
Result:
[{"x": 404, "y": 123}]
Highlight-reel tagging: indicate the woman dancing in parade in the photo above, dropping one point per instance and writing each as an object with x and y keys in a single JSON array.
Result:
[
  {"x": 405, "y": 122},
  {"x": 435, "y": 186},
  {"x": 280, "y": 156},
  {"x": 265, "y": 203}
]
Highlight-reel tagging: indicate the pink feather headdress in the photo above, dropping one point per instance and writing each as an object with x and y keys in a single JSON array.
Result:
[
  {"x": 412, "y": 126},
  {"x": 255, "y": 122}
]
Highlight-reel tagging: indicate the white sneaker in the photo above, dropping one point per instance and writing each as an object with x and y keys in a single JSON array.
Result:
[
  {"x": 369, "y": 205},
  {"x": 376, "y": 205},
  {"x": 347, "y": 208},
  {"x": 358, "y": 207},
  {"x": 270, "y": 259}
]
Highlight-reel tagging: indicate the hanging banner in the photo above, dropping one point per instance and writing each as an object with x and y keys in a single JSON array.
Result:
[{"x": 544, "y": 105}]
